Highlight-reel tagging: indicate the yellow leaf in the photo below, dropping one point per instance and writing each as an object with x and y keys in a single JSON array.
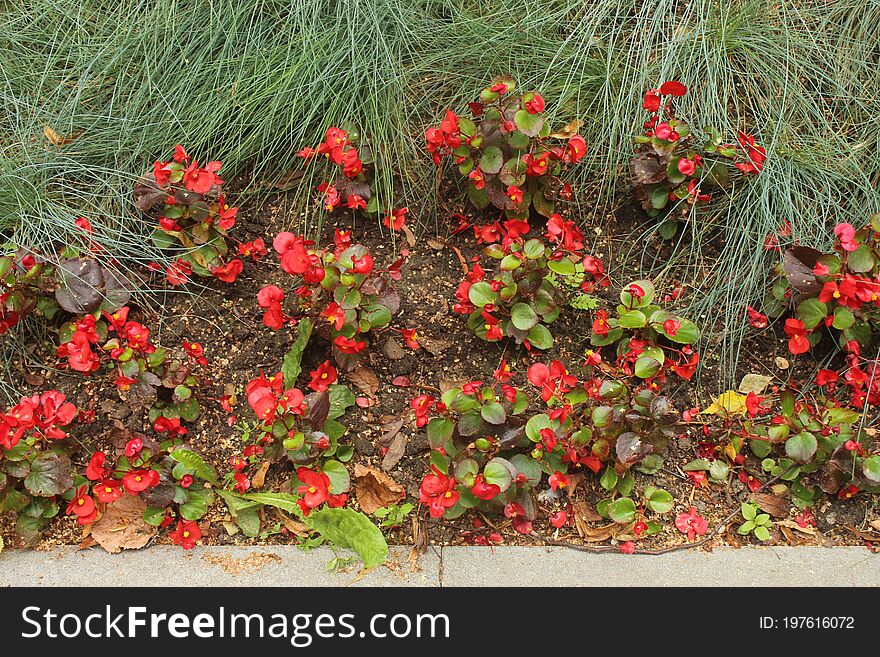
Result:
[
  {"x": 55, "y": 139},
  {"x": 730, "y": 402},
  {"x": 568, "y": 131}
]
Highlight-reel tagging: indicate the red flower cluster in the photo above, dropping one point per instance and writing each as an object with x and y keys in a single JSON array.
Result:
[
  {"x": 192, "y": 219},
  {"x": 187, "y": 534},
  {"x": 337, "y": 148},
  {"x": 437, "y": 490},
  {"x": 43, "y": 414},
  {"x": 315, "y": 490},
  {"x": 269, "y": 400},
  {"x": 756, "y": 154},
  {"x": 554, "y": 381}
]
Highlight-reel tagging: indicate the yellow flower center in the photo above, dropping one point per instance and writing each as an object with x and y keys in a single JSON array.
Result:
[
  {"x": 312, "y": 489},
  {"x": 186, "y": 534},
  {"x": 836, "y": 294},
  {"x": 447, "y": 494}
]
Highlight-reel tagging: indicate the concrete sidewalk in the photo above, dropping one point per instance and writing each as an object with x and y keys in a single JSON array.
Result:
[{"x": 448, "y": 566}]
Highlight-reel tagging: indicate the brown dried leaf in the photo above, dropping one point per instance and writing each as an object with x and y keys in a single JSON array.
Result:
[
  {"x": 772, "y": 504},
  {"x": 393, "y": 350},
  {"x": 396, "y": 450},
  {"x": 584, "y": 510},
  {"x": 876, "y": 524},
  {"x": 594, "y": 534},
  {"x": 287, "y": 180},
  {"x": 259, "y": 479},
  {"x": 436, "y": 243},
  {"x": 447, "y": 385},
  {"x": 294, "y": 527},
  {"x": 122, "y": 526},
  {"x": 55, "y": 139},
  {"x": 34, "y": 378},
  {"x": 410, "y": 237},
  {"x": 435, "y": 346},
  {"x": 569, "y": 130},
  {"x": 365, "y": 380},
  {"x": 375, "y": 489},
  {"x": 391, "y": 428}
]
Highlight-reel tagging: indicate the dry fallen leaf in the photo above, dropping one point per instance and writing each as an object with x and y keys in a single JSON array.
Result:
[
  {"x": 396, "y": 450},
  {"x": 365, "y": 380},
  {"x": 259, "y": 479},
  {"x": 375, "y": 489},
  {"x": 435, "y": 346},
  {"x": 782, "y": 363},
  {"x": 122, "y": 527},
  {"x": 446, "y": 385},
  {"x": 393, "y": 350},
  {"x": 754, "y": 383},
  {"x": 772, "y": 504},
  {"x": 876, "y": 524},
  {"x": 55, "y": 139},
  {"x": 568, "y": 131},
  {"x": 436, "y": 243},
  {"x": 410, "y": 237}
]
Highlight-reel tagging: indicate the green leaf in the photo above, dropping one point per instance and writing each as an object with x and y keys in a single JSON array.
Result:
[
  {"x": 491, "y": 160},
  {"x": 659, "y": 198},
  {"x": 154, "y": 516},
  {"x": 801, "y": 447},
  {"x": 749, "y": 511},
  {"x": 659, "y": 501},
  {"x": 535, "y": 424},
  {"x": 479, "y": 197},
  {"x": 196, "y": 464},
  {"x": 341, "y": 398},
  {"x": 651, "y": 464},
  {"x": 563, "y": 266},
  {"x": 523, "y": 316},
  {"x": 481, "y": 293},
  {"x": 498, "y": 472},
  {"x": 645, "y": 368},
  {"x": 439, "y": 431},
  {"x": 248, "y": 520},
  {"x": 530, "y": 124},
  {"x": 540, "y": 337},
  {"x": 291, "y": 366},
  {"x": 762, "y": 533},
  {"x": 746, "y": 527},
  {"x": 871, "y": 468},
  {"x": 811, "y": 312},
  {"x": 608, "y": 480},
  {"x": 338, "y": 476},
  {"x": 633, "y": 319},
  {"x": 347, "y": 528},
  {"x": 528, "y": 466},
  {"x": 622, "y": 510},
  {"x": 584, "y": 302},
  {"x": 493, "y": 413},
  {"x": 49, "y": 475},
  {"x": 861, "y": 260},
  {"x": 630, "y": 302},
  {"x": 533, "y": 248},
  {"x": 843, "y": 318},
  {"x": 197, "y": 503},
  {"x": 283, "y": 501}
]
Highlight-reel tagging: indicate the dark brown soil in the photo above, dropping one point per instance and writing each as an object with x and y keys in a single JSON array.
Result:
[{"x": 226, "y": 320}]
